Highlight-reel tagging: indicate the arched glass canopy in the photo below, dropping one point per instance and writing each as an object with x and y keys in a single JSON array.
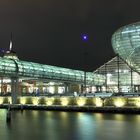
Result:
[{"x": 13, "y": 68}]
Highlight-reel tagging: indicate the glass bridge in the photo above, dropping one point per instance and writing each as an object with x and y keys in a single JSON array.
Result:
[{"x": 18, "y": 68}]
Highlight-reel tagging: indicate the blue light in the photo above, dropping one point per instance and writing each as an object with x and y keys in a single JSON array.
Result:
[{"x": 84, "y": 37}]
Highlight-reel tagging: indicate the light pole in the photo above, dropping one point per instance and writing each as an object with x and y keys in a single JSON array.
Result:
[{"x": 85, "y": 39}]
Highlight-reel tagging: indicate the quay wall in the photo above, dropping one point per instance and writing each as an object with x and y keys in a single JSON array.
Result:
[{"x": 75, "y": 101}]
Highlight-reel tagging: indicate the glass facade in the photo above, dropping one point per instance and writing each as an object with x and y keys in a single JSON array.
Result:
[
  {"x": 126, "y": 43},
  {"x": 119, "y": 76},
  {"x": 12, "y": 68},
  {"x": 7, "y": 67}
]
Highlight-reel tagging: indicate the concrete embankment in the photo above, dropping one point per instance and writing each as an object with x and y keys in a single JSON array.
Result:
[
  {"x": 105, "y": 109},
  {"x": 89, "y": 104}
]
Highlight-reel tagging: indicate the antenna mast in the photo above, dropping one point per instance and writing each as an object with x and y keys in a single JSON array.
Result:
[{"x": 10, "y": 48}]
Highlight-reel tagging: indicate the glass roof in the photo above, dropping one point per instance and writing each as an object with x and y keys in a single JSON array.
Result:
[
  {"x": 110, "y": 70},
  {"x": 19, "y": 68},
  {"x": 126, "y": 43}
]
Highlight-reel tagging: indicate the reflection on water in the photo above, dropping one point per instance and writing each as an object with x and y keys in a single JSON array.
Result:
[{"x": 51, "y": 125}]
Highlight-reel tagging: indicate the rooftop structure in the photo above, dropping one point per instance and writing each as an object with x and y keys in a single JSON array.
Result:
[{"x": 126, "y": 43}]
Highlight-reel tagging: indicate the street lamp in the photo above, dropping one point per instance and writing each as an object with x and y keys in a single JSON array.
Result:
[{"x": 85, "y": 39}]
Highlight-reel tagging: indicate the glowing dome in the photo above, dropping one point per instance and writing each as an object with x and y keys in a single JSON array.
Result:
[{"x": 126, "y": 43}]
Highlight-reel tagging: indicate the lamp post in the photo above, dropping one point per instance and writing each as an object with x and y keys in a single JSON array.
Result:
[{"x": 85, "y": 39}]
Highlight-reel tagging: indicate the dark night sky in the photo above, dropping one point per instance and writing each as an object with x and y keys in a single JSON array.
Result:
[{"x": 49, "y": 31}]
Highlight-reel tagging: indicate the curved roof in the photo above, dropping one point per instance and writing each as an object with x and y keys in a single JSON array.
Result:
[
  {"x": 126, "y": 43},
  {"x": 12, "y": 68}
]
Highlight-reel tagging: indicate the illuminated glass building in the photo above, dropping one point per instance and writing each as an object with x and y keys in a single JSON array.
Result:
[
  {"x": 119, "y": 77},
  {"x": 123, "y": 71},
  {"x": 126, "y": 43},
  {"x": 34, "y": 78},
  {"x": 120, "y": 74}
]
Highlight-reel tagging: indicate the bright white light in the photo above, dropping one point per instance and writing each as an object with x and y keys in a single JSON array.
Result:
[
  {"x": 99, "y": 102},
  {"x": 103, "y": 88},
  {"x": 109, "y": 74},
  {"x": 81, "y": 101},
  {"x": 119, "y": 102},
  {"x": 51, "y": 89},
  {"x": 117, "y": 70},
  {"x": 64, "y": 101},
  {"x": 128, "y": 31},
  {"x": 1, "y": 100},
  {"x": 93, "y": 89},
  {"x": 125, "y": 71},
  {"x": 31, "y": 89},
  {"x": 22, "y": 100},
  {"x": 60, "y": 90},
  {"x": 51, "y": 83},
  {"x": 5, "y": 80},
  {"x": 10, "y": 45},
  {"x": 35, "y": 101},
  {"x": 137, "y": 102},
  {"x": 50, "y": 101}
]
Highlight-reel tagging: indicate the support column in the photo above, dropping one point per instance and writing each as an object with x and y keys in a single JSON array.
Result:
[
  {"x": 85, "y": 82},
  {"x": 56, "y": 88},
  {"x": 118, "y": 65},
  {"x": 1, "y": 85},
  {"x": 67, "y": 87},
  {"x": 106, "y": 78},
  {"x": 82, "y": 89},
  {"x": 14, "y": 89},
  {"x": 131, "y": 80}
]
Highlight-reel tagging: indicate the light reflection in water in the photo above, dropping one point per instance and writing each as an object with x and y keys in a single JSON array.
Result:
[
  {"x": 54, "y": 125},
  {"x": 86, "y": 126}
]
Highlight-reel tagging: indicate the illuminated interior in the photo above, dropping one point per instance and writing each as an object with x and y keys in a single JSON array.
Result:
[{"x": 117, "y": 72}]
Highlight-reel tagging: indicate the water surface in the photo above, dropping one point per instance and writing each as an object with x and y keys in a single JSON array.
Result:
[{"x": 54, "y": 125}]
